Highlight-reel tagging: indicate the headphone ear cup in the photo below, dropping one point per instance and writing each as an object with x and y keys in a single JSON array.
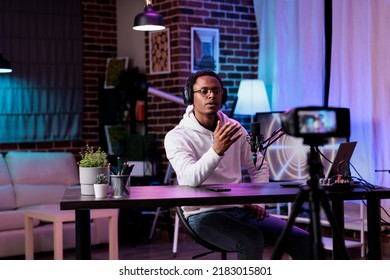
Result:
[
  {"x": 224, "y": 95},
  {"x": 187, "y": 97}
]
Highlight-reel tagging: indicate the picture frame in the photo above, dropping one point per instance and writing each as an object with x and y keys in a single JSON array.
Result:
[
  {"x": 116, "y": 136},
  {"x": 159, "y": 52},
  {"x": 204, "y": 49},
  {"x": 113, "y": 69}
]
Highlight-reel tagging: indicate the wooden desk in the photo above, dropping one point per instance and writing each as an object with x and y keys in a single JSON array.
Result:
[{"x": 169, "y": 196}]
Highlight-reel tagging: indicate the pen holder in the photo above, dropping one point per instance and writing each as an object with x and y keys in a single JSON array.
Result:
[{"x": 120, "y": 185}]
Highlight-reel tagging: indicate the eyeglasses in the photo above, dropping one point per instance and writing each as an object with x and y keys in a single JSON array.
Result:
[{"x": 206, "y": 91}]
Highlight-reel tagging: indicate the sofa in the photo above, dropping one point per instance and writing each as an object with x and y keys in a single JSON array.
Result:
[{"x": 31, "y": 180}]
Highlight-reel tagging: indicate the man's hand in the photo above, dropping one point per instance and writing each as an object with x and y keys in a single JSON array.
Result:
[
  {"x": 225, "y": 136},
  {"x": 258, "y": 211}
]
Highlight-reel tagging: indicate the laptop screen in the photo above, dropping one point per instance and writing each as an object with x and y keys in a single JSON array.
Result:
[
  {"x": 344, "y": 154},
  {"x": 287, "y": 157}
]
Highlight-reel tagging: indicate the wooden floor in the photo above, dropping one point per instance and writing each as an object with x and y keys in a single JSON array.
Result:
[
  {"x": 161, "y": 249},
  {"x": 134, "y": 244}
]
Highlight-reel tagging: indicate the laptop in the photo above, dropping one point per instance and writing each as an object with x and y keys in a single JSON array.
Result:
[{"x": 344, "y": 154}]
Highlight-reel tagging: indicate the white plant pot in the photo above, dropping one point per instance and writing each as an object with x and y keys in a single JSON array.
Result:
[
  {"x": 88, "y": 176},
  {"x": 101, "y": 190}
]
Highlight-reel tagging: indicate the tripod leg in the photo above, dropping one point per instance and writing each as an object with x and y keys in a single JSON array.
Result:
[
  {"x": 315, "y": 225},
  {"x": 281, "y": 243},
  {"x": 338, "y": 242}
]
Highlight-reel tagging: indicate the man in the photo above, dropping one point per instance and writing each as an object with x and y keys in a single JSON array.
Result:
[{"x": 207, "y": 147}]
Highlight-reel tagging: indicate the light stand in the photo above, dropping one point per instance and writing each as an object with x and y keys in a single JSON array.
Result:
[
  {"x": 382, "y": 170},
  {"x": 316, "y": 197}
]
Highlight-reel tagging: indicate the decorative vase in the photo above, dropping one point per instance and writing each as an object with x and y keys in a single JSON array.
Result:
[{"x": 88, "y": 176}]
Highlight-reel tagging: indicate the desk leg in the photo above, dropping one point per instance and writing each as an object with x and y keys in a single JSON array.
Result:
[
  {"x": 374, "y": 239},
  {"x": 83, "y": 234},
  {"x": 338, "y": 211}
]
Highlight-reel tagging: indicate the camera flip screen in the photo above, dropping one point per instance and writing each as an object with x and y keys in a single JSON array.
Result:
[{"x": 317, "y": 121}]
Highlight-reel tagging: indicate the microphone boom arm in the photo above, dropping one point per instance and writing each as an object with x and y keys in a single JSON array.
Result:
[{"x": 270, "y": 140}]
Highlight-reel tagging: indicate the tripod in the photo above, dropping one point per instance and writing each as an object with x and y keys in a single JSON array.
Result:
[{"x": 316, "y": 196}]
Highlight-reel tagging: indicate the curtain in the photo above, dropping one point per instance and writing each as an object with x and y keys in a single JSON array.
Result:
[
  {"x": 360, "y": 81},
  {"x": 41, "y": 100},
  {"x": 291, "y": 59},
  {"x": 292, "y": 51}
]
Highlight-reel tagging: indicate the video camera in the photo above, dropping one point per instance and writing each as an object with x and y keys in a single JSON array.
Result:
[{"x": 315, "y": 124}]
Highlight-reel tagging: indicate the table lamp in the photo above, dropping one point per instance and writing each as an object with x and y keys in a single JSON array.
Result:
[{"x": 252, "y": 98}]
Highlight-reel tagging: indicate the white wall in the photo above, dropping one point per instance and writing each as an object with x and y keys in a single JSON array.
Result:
[{"x": 130, "y": 43}]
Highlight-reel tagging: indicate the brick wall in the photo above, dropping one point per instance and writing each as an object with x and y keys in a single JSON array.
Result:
[
  {"x": 239, "y": 43},
  {"x": 99, "y": 44},
  {"x": 238, "y": 60}
]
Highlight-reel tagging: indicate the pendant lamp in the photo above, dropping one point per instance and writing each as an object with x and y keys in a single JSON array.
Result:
[
  {"x": 148, "y": 20},
  {"x": 5, "y": 65}
]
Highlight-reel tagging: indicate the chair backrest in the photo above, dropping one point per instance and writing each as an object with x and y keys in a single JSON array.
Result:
[
  {"x": 234, "y": 104},
  {"x": 168, "y": 174},
  {"x": 197, "y": 238}
]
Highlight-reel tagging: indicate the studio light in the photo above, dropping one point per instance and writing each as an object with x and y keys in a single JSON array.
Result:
[
  {"x": 148, "y": 20},
  {"x": 5, "y": 65}
]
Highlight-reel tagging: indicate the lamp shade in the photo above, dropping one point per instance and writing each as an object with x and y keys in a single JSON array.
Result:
[
  {"x": 5, "y": 65},
  {"x": 148, "y": 20},
  {"x": 252, "y": 98}
]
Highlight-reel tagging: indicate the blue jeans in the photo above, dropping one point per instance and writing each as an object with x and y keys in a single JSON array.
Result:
[{"x": 238, "y": 230}]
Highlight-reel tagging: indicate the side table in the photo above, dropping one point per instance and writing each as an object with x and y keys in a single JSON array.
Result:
[{"x": 57, "y": 217}]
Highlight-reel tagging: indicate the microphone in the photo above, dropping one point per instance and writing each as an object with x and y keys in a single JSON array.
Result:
[{"x": 255, "y": 140}]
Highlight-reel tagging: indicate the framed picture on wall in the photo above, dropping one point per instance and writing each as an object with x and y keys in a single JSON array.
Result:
[
  {"x": 113, "y": 69},
  {"x": 204, "y": 49},
  {"x": 159, "y": 52},
  {"x": 116, "y": 139}
]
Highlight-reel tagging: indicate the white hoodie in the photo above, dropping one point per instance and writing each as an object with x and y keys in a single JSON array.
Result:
[{"x": 189, "y": 149}]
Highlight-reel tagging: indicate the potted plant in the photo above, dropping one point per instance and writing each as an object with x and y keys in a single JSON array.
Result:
[
  {"x": 93, "y": 162},
  {"x": 100, "y": 186}
]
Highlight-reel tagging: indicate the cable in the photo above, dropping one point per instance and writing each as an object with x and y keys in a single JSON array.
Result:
[{"x": 319, "y": 151}]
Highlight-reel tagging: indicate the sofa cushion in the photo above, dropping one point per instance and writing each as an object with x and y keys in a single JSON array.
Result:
[
  {"x": 13, "y": 219},
  {"x": 30, "y": 195},
  {"x": 7, "y": 195},
  {"x": 41, "y": 177}
]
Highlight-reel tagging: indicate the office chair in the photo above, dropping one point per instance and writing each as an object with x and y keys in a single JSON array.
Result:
[
  {"x": 234, "y": 104},
  {"x": 199, "y": 240}
]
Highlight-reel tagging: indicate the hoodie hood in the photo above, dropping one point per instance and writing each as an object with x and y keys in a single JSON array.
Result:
[{"x": 189, "y": 120}]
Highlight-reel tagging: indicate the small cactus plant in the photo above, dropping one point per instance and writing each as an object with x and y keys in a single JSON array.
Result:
[{"x": 101, "y": 179}]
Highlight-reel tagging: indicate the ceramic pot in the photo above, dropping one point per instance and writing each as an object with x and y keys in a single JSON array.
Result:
[
  {"x": 101, "y": 190},
  {"x": 88, "y": 176}
]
